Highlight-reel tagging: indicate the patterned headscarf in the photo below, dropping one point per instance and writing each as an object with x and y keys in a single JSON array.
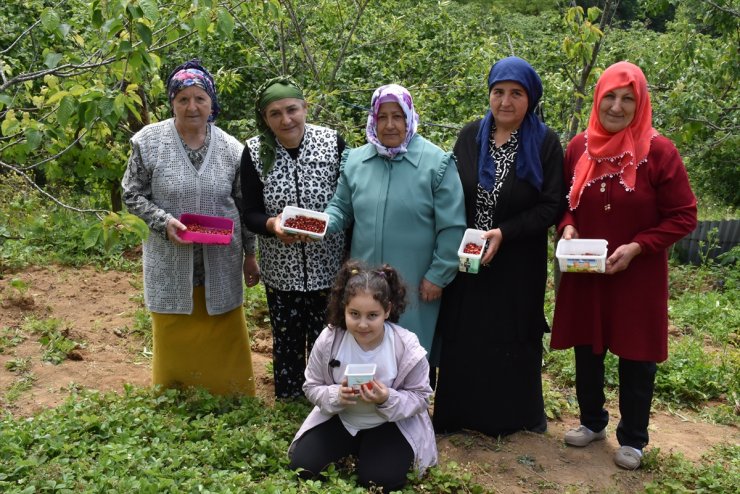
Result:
[
  {"x": 391, "y": 93},
  {"x": 272, "y": 90},
  {"x": 620, "y": 153},
  {"x": 531, "y": 132},
  {"x": 192, "y": 73}
]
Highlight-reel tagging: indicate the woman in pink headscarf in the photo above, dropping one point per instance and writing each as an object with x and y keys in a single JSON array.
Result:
[{"x": 629, "y": 186}]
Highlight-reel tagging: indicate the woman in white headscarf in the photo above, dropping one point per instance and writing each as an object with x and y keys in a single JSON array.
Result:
[{"x": 403, "y": 196}]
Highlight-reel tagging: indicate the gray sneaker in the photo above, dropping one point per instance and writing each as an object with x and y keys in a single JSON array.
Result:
[
  {"x": 583, "y": 436},
  {"x": 628, "y": 457}
]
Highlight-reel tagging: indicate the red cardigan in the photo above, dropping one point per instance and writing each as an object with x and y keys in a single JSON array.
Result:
[{"x": 626, "y": 313}]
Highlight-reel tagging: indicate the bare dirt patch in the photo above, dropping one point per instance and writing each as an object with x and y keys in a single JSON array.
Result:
[{"x": 98, "y": 310}]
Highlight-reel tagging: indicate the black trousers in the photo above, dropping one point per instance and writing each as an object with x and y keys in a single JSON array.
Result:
[
  {"x": 636, "y": 385},
  {"x": 297, "y": 319},
  {"x": 384, "y": 457}
]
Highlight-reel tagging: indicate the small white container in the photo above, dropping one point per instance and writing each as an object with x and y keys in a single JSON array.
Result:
[
  {"x": 582, "y": 255},
  {"x": 358, "y": 374},
  {"x": 470, "y": 263},
  {"x": 292, "y": 212}
]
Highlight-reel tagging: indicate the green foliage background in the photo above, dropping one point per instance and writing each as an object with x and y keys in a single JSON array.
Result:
[{"x": 80, "y": 76}]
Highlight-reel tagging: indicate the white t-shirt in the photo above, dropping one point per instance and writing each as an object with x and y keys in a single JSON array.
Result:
[{"x": 363, "y": 415}]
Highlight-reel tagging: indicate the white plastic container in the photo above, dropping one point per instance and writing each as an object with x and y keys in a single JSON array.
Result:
[
  {"x": 359, "y": 374},
  {"x": 470, "y": 263},
  {"x": 582, "y": 255},
  {"x": 291, "y": 212}
]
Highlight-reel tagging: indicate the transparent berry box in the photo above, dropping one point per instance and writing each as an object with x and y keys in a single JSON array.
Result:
[
  {"x": 301, "y": 221},
  {"x": 359, "y": 374},
  {"x": 471, "y": 250},
  {"x": 581, "y": 255}
]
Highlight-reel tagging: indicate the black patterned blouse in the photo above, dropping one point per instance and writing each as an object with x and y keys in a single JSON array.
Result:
[{"x": 486, "y": 202}]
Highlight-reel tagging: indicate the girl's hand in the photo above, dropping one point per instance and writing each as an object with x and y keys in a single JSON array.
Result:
[
  {"x": 374, "y": 392},
  {"x": 173, "y": 227},
  {"x": 347, "y": 395}
]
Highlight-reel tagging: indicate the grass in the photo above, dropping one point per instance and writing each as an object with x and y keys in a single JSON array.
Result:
[
  {"x": 146, "y": 441},
  {"x": 10, "y": 338},
  {"x": 150, "y": 441},
  {"x": 717, "y": 471},
  {"x": 38, "y": 232},
  {"x": 54, "y": 337}
]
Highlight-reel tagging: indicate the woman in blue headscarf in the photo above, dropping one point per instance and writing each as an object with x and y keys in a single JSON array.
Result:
[{"x": 491, "y": 323}]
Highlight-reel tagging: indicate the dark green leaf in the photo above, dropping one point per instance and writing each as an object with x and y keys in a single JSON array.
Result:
[
  {"x": 66, "y": 109},
  {"x": 51, "y": 60},
  {"x": 150, "y": 9},
  {"x": 50, "y": 20},
  {"x": 225, "y": 23},
  {"x": 144, "y": 33},
  {"x": 33, "y": 138}
]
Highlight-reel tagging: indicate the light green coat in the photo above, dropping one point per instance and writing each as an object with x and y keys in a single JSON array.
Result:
[{"x": 407, "y": 212}]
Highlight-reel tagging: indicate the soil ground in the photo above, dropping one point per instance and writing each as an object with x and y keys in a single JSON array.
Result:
[{"x": 98, "y": 309}]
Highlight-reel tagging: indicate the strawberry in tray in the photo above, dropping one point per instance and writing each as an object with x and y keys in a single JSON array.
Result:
[
  {"x": 471, "y": 248},
  {"x": 203, "y": 229},
  {"x": 314, "y": 225}
]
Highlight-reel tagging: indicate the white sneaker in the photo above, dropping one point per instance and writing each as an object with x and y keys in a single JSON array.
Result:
[
  {"x": 583, "y": 436},
  {"x": 628, "y": 457}
]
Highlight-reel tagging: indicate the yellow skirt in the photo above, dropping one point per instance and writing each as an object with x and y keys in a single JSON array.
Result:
[{"x": 203, "y": 351}]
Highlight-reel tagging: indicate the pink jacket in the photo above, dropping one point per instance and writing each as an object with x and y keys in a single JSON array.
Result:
[{"x": 407, "y": 404}]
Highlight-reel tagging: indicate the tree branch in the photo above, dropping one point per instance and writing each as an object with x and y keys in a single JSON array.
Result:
[
  {"x": 24, "y": 33},
  {"x": 33, "y": 184},
  {"x": 724, "y": 9},
  {"x": 288, "y": 5},
  {"x": 57, "y": 71},
  {"x": 51, "y": 158},
  {"x": 259, "y": 43}
]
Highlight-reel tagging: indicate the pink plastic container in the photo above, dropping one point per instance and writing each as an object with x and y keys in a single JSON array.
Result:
[{"x": 211, "y": 224}]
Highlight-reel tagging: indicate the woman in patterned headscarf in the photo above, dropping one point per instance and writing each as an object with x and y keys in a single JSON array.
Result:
[
  {"x": 628, "y": 186},
  {"x": 492, "y": 322},
  {"x": 403, "y": 197},
  {"x": 291, "y": 163},
  {"x": 188, "y": 165}
]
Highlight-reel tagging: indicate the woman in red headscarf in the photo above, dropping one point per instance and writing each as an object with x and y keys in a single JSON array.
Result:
[{"x": 628, "y": 186}]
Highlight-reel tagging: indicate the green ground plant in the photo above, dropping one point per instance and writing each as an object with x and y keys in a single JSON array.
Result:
[
  {"x": 717, "y": 471},
  {"x": 39, "y": 232},
  {"x": 53, "y": 337},
  {"x": 704, "y": 360},
  {"x": 19, "y": 386},
  {"x": 10, "y": 337},
  {"x": 170, "y": 441}
]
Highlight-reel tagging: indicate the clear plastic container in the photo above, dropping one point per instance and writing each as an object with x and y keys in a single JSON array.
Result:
[
  {"x": 470, "y": 262},
  {"x": 582, "y": 255},
  {"x": 359, "y": 374},
  {"x": 291, "y": 212}
]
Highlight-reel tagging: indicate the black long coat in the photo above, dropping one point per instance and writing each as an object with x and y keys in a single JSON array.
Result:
[{"x": 491, "y": 323}]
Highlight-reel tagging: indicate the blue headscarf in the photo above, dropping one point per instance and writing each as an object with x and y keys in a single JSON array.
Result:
[{"x": 531, "y": 132}]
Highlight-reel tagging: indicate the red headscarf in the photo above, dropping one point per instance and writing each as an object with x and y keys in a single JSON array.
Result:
[{"x": 615, "y": 153}]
